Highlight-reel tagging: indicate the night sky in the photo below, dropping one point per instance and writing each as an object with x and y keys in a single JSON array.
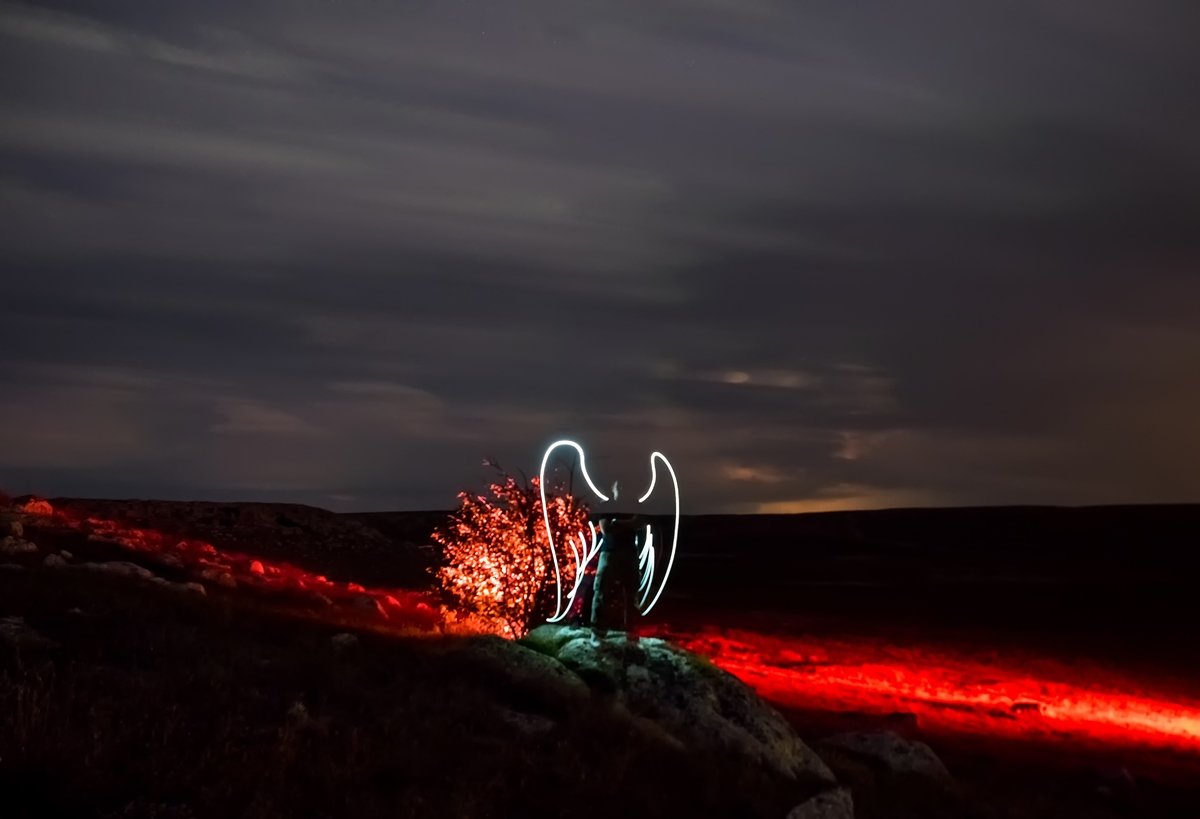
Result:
[{"x": 822, "y": 254}]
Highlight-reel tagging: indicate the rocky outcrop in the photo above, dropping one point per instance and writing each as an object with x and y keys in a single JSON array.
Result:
[
  {"x": 832, "y": 804},
  {"x": 322, "y": 541},
  {"x": 344, "y": 641},
  {"x": 701, "y": 706},
  {"x": 121, "y": 568},
  {"x": 19, "y": 638},
  {"x": 117, "y": 567},
  {"x": 11, "y": 546},
  {"x": 12, "y": 537},
  {"x": 524, "y": 675},
  {"x": 890, "y": 752}
]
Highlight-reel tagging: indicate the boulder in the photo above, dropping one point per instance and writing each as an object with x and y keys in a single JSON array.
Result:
[
  {"x": 118, "y": 567},
  {"x": 21, "y": 638},
  {"x": 221, "y": 578},
  {"x": 832, "y": 804},
  {"x": 187, "y": 588},
  {"x": 123, "y": 568},
  {"x": 549, "y": 639},
  {"x": 14, "y": 528},
  {"x": 368, "y": 605},
  {"x": 524, "y": 675},
  {"x": 14, "y": 547},
  {"x": 700, "y": 705},
  {"x": 344, "y": 641},
  {"x": 891, "y": 752},
  {"x": 525, "y": 723},
  {"x": 54, "y": 561}
]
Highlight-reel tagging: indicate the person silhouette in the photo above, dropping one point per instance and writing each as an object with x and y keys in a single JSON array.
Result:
[{"x": 616, "y": 581}]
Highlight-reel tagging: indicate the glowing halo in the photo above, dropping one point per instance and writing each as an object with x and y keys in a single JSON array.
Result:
[{"x": 584, "y": 554}]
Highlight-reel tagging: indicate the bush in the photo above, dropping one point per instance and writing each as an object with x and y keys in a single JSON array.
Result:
[{"x": 496, "y": 558}]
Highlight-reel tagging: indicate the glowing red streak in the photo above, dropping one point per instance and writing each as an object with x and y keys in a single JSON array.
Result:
[
  {"x": 1020, "y": 698},
  {"x": 1031, "y": 699},
  {"x": 203, "y": 561}
]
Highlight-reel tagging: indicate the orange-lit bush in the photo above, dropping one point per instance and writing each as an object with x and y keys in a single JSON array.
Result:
[{"x": 496, "y": 559}]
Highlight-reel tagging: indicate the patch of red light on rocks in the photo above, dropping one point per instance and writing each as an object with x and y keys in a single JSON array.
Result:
[
  {"x": 1037, "y": 700},
  {"x": 1017, "y": 698}
]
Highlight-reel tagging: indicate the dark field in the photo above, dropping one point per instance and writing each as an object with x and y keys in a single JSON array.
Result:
[
  {"x": 198, "y": 705},
  {"x": 1102, "y": 583}
]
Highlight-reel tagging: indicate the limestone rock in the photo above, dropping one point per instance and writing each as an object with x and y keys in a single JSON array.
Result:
[
  {"x": 892, "y": 752},
  {"x": 832, "y": 804},
  {"x": 368, "y": 604},
  {"x": 549, "y": 639},
  {"x": 525, "y": 723},
  {"x": 344, "y": 641},
  {"x": 15, "y": 547},
  {"x": 20, "y": 637},
  {"x": 221, "y": 578},
  {"x": 525, "y": 674},
  {"x": 187, "y": 588},
  {"x": 121, "y": 568},
  {"x": 697, "y": 703}
]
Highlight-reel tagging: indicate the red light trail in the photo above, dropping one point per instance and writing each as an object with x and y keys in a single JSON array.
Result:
[
  {"x": 1009, "y": 697},
  {"x": 1033, "y": 699}
]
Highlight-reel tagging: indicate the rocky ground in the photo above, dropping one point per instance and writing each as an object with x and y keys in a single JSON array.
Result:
[
  {"x": 387, "y": 549},
  {"x": 123, "y": 698},
  {"x": 129, "y": 688}
]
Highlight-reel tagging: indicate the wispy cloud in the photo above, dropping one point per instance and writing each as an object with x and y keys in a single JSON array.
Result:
[
  {"x": 245, "y": 416},
  {"x": 822, "y": 255}
]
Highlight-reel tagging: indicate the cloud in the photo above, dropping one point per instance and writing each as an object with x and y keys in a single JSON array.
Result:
[
  {"x": 832, "y": 254},
  {"x": 220, "y": 50},
  {"x": 753, "y": 474},
  {"x": 249, "y": 417},
  {"x": 850, "y": 496}
]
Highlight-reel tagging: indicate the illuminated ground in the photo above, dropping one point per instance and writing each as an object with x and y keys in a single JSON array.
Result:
[
  {"x": 1034, "y": 700},
  {"x": 1053, "y": 707}
]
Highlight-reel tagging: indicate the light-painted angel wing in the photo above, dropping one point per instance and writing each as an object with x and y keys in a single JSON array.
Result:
[
  {"x": 586, "y": 551},
  {"x": 652, "y": 582}
]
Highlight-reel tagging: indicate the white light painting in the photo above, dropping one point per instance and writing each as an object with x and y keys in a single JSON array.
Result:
[{"x": 588, "y": 547}]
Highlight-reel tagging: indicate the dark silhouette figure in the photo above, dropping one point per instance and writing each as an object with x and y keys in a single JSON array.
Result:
[{"x": 614, "y": 601}]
